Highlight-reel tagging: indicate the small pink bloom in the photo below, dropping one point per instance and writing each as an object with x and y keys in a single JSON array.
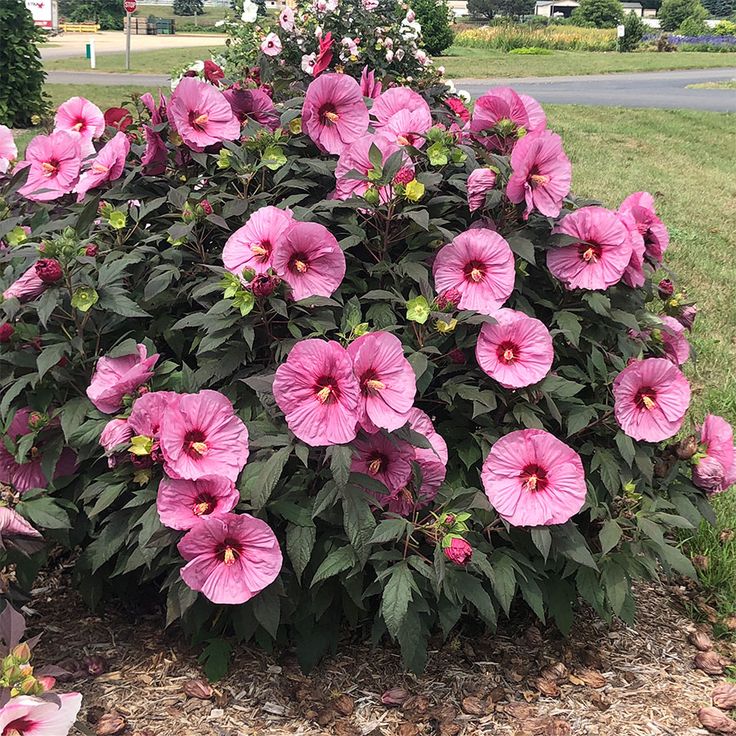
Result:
[
  {"x": 30, "y": 716},
  {"x": 516, "y": 351},
  {"x": 116, "y": 436},
  {"x": 480, "y": 182},
  {"x": 118, "y": 118},
  {"x": 6, "y": 333},
  {"x": 8, "y": 149},
  {"x": 113, "y": 378},
  {"x": 402, "y": 116},
  {"x": 652, "y": 229},
  {"x": 324, "y": 56},
  {"x": 334, "y": 114},
  {"x": 416, "y": 495},
  {"x": 369, "y": 87},
  {"x": 231, "y": 558},
  {"x": 201, "y": 435},
  {"x": 480, "y": 265},
  {"x": 384, "y": 459},
  {"x": 271, "y": 45},
  {"x": 634, "y": 275},
  {"x": 665, "y": 289},
  {"x": 533, "y": 479},
  {"x": 253, "y": 104},
  {"x": 499, "y": 119},
  {"x": 541, "y": 173},
  {"x": 107, "y": 166},
  {"x": 651, "y": 399},
  {"x": 49, "y": 270},
  {"x": 422, "y": 424},
  {"x": 716, "y": 472},
  {"x": 676, "y": 345},
  {"x": 286, "y": 18},
  {"x": 158, "y": 112},
  {"x": 310, "y": 260},
  {"x": 78, "y": 115},
  {"x": 252, "y": 245},
  {"x": 155, "y": 155},
  {"x": 147, "y": 413},
  {"x": 458, "y": 108},
  {"x": 319, "y": 393},
  {"x": 26, "y": 287},
  {"x": 54, "y": 162},
  {"x": 201, "y": 114},
  {"x": 387, "y": 381},
  {"x": 459, "y": 551},
  {"x": 602, "y": 255},
  {"x": 213, "y": 72},
  {"x": 686, "y": 316},
  {"x": 308, "y": 62},
  {"x": 182, "y": 504}
]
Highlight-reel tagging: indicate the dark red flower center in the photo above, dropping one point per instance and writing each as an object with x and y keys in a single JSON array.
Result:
[
  {"x": 328, "y": 114},
  {"x": 537, "y": 179},
  {"x": 299, "y": 263},
  {"x": 204, "y": 504},
  {"x": 534, "y": 478},
  {"x": 646, "y": 398},
  {"x": 195, "y": 443},
  {"x": 198, "y": 120},
  {"x": 507, "y": 352},
  {"x": 406, "y": 139},
  {"x": 50, "y": 167},
  {"x": 589, "y": 253},
  {"x": 377, "y": 462},
  {"x": 229, "y": 551},
  {"x": 326, "y": 390},
  {"x": 18, "y": 727},
  {"x": 370, "y": 384},
  {"x": 262, "y": 250},
  {"x": 474, "y": 271}
]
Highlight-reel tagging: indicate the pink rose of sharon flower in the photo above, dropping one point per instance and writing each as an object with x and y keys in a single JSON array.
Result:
[
  {"x": 676, "y": 345},
  {"x": 652, "y": 229},
  {"x": 541, "y": 174},
  {"x": 183, "y": 503},
  {"x": 651, "y": 399},
  {"x": 27, "y": 286},
  {"x": 634, "y": 275},
  {"x": 319, "y": 393},
  {"x": 107, "y": 166},
  {"x": 200, "y": 435},
  {"x": 334, "y": 114},
  {"x": 516, "y": 351},
  {"x": 30, "y": 716},
  {"x": 387, "y": 381},
  {"x": 115, "y": 436},
  {"x": 480, "y": 182},
  {"x": 716, "y": 470},
  {"x": 310, "y": 260},
  {"x": 252, "y": 245},
  {"x": 148, "y": 412},
  {"x": 533, "y": 479},
  {"x": 78, "y": 115},
  {"x": 54, "y": 162},
  {"x": 602, "y": 255},
  {"x": 113, "y": 378},
  {"x": 201, "y": 114},
  {"x": 420, "y": 422},
  {"x": 384, "y": 459},
  {"x": 413, "y": 496},
  {"x": 480, "y": 265},
  {"x": 271, "y": 45},
  {"x": 8, "y": 149},
  {"x": 231, "y": 558}
]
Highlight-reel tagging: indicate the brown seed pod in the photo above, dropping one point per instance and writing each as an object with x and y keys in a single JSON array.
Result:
[
  {"x": 717, "y": 722},
  {"x": 701, "y": 641},
  {"x": 198, "y": 688},
  {"x": 724, "y": 696}
]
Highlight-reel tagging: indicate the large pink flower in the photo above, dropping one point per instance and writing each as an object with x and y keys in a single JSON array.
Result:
[
  {"x": 107, "y": 166},
  {"x": 319, "y": 393},
  {"x": 516, "y": 351},
  {"x": 201, "y": 114},
  {"x": 78, "y": 115},
  {"x": 54, "y": 162},
  {"x": 715, "y": 465},
  {"x": 8, "y": 149},
  {"x": 200, "y": 435},
  {"x": 334, "y": 114},
  {"x": 602, "y": 255},
  {"x": 652, "y": 229},
  {"x": 421, "y": 423},
  {"x": 387, "y": 381},
  {"x": 113, "y": 378},
  {"x": 17, "y": 533},
  {"x": 419, "y": 491},
  {"x": 651, "y": 399},
  {"x": 30, "y": 716},
  {"x": 676, "y": 345},
  {"x": 369, "y": 87},
  {"x": 310, "y": 260},
  {"x": 27, "y": 286},
  {"x": 253, "y": 104},
  {"x": 480, "y": 265},
  {"x": 147, "y": 413},
  {"x": 537, "y": 116},
  {"x": 480, "y": 182},
  {"x": 384, "y": 459},
  {"x": 499, "y": 118},
  {"x": 533, "y": 479},
  {"x": 183, "y": 503},
  {"x": 634, "y": 275},
  {"x": 231, "y": 558},
  {"x": 402, "y": 115},
  {"x": 541, "y": 173},
  {"x": 155, "y": 155},
  {"x": 252, "y": 245}
]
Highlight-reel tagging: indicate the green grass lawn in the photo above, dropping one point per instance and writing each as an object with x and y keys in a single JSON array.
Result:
[
  {"x": 463, "y": 62},
  {"x": 714, "y": 85}
]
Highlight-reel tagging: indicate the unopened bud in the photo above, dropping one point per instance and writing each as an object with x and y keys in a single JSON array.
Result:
[
  {"x": 22, "y": 653},
  {"x": 395, "y": 697},
  {"x": 687, "y": 447},
  {"x": 110, "y": 724},
  {"x": 198, "y": 688}
]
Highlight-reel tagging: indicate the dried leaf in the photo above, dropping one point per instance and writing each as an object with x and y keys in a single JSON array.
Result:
[
  {"x": 724, "y": 696},
  {"x": 396, "y": 696},
  {"x": 110, "y": 724},
  {"x": 717, "y": 722},
  {"x": 344, "y": 705},
  {"x": 700, "y": 640},
  {"x": 710, "y": 662},
  {"x": 198, "y": 688},
  {"x": 473, "y": 706},
  {"x": 592, "y": 678},
  {"x": 549, "y": 688}
]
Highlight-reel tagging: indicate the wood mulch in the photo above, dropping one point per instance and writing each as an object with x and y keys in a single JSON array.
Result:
[{"x": 603, "y": 681}]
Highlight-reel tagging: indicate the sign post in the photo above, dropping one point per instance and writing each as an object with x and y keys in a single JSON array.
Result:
[
  {"x": 130, "y": 7},
  {"x": 620, "y": 33}
]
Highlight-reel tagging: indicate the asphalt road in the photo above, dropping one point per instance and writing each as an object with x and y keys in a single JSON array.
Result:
[{"x": 665, "y": 90}]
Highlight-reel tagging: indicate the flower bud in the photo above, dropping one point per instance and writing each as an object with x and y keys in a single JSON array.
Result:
[
  {"x": 6, "y": 332},
  {"x": 264, "y": 285},
  {"x": 716, "y": 721},
  {"x": 371, "y": 196},
  {"x": 686, "y": 316},
  {"x": 91, "y": 250},
  {"x": 687, "y": 447},
  {"x": 206, "y": 207},
  {"x": 27, "y": 686},
  {"x": 110, "y": 724},
  {"x": 22, "y": 652},
  {"x": 709, "y": 474},
  {"x": 48, "y": 270},
  {"x": 404, "y": 176},
  {"x": 665, "y": 289},
  {"x": 724, "y": 696},
  {"x": 198, "y": 688},
  {"x": 457, "y": 550},
  {"x": 448, "y": 299},
  {"x": 395, "y": 697},
  {"x": 95, "y": 665},
  {"x": 46, "y": 682}
]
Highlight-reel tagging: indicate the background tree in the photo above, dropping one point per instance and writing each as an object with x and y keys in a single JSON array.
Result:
[
  {"x": 634, "y": 30},
  {"x": 490, "y": 8},
  {"x": 435, "y": 18},
  {"x": 21, "y": 93},
  {"x": 188, "y": 7},
  {"x": 108, "y": 13},
  {"x": 673, "y": 12},
  {"x": 720, "y": 8},
  {"x": 599, "y": 13}
]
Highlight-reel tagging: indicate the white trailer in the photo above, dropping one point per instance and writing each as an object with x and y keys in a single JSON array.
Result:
[{"x": 45, "y": 13}]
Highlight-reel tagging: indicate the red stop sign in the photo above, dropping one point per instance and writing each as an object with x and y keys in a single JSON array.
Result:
[{"x": 130, "y": 6}]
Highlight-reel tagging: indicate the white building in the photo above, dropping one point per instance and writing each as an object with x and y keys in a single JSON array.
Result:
[{"x": 564, "y": 8}]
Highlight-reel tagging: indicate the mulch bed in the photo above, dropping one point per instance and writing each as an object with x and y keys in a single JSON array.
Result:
[{"x": 603, "y": 681}]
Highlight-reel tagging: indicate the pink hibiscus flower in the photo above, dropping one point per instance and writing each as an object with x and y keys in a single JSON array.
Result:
[
  {"x": 715, "y": 466},
  {"x": 324, "y": 55},
  {"x": 30, "y": 716},
  {"x": 200, "y": 435},
  {"x": 8, "y": 149},
  {"x": 113, "y": 378},
  {"x": 386, "y": 378},
  {"x": 480, "y": 265},
  {"x": 421, "y": 423},
  {"x": 252, "y": 245},
  {"x": 54, "y": 162},
  {"x": 82, "y": 117},
  {"x": 480, "y": 182},
  {"x": 652, "y": 229},
  {"x": 107, "y": 166},
  {"x": 676, "y": 345},
  {"x": 417, "y": 494},
  {"x": 27, "y": 286},
  {"x": 271, "y": 45},
  {"x": 201, "y": 114},
  {"x": 148, "y": 411},
  {"x": 17, "y": 533},
  {"x": 402, "y": 115},
  {"x": 253, "y": 104},
  {"x": 533, "y": 479},
  {"x": 634, "y": 275},
  {"x": 602, "y": 255},
  {"x": 318, "y": 393},
  {"x": 155, "y": 155},
  {"x": 651, "y": 399},
  {"x": 535, "y": 113},
  {"x": 541, "y": 174},
  {"x": 310, "y": 260},
  {"x": 369, "y": 87},
  {"x": 182, "y": 504},
  {"x": 499, "y": 119},
  {"x": 158, "y": 112},
  {"x": 115, "y": 437},
  {"x": 516, "y": 351},
  {"x": 231, "y": 558},
  {"x": 334, "y": 114},
  {"x": 286, "y": 18},
  {"x": 384, "y": 459}
]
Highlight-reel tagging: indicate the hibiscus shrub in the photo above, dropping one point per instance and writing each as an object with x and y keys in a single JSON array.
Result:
[{"x": 354, "y": 360}]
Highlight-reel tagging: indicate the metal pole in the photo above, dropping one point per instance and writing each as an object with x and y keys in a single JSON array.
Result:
[
  {"x": 127, "y": 43},
  {"x": 92, "y": 55}
]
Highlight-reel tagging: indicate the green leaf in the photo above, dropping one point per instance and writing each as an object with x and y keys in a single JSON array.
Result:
[
  {"x": 269, "y": 477},
  {"x": 358, "y": 519},
  {"x": 625, "y": 447},
  {"x": 391, "y": 530},
  {"x": 44, "y": 512},
  {"x": 396, "y": 597},
  {"x": 267, "y": 609},
  {"x": 570, "y": 325},
  {"x": 216, "y": 659},
  {"x": 341, "y": 458},
  {"x": 299, "y": 545},
  {"x": 617, "y": 586},
  {"x": 337, "y": 561},
  {"x": 50, "y": 356},
  {"x": 72, "y": 414},
  {"x": 579, "y": 418},
  {"x": 605, "y": 463},
  {"x": 503, "y": 581},
  {"x": 610, "y": 536},
  {"x": 542, "y": 540}
]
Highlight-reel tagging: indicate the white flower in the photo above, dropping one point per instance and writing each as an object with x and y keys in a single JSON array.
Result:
[
  {"x": 175, "y": 81},
  {"x": 198, "y": 66},
  {"x": 389, "y": 55},
  {"x": 308, "y": 63},
  {"x": 318, "y": 32},
  {"x": 440, "y": 70},
  {"x": 451, "y": 85},
  {"x": 220, "y": 23},
  {"x": 464, "y": 95},
  {"x": 250, "y": 12}
]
